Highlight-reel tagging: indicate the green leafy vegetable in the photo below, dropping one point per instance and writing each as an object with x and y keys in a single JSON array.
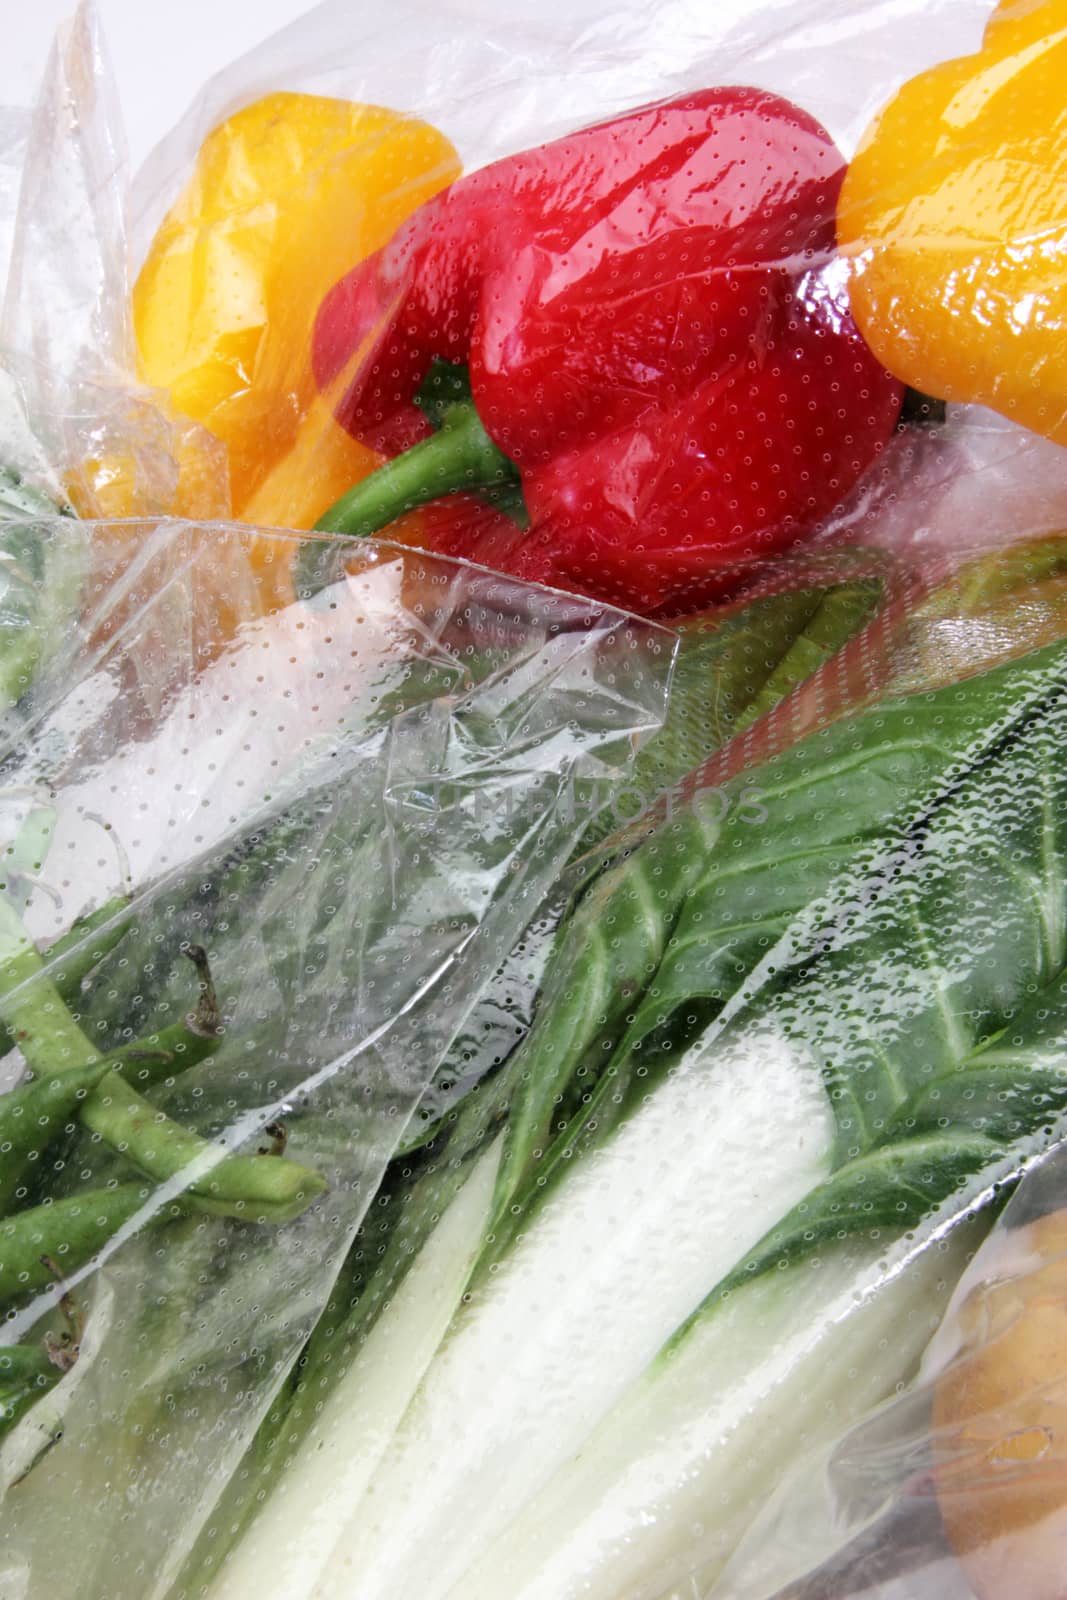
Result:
[
  {"x": 733, "y": 665},
  {"x": 846, "y": 970},
  {"x": 733, "y": 1097}
]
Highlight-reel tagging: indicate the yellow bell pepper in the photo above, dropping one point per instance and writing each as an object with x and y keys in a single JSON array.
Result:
[
  {"x": 286, "y": 195},
  {"x": 954, "y": 215}
]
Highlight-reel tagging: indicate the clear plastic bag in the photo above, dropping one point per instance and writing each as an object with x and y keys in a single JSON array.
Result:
[
  {"x": 345, "y": 816},
  {"x": 959, "y": 1479},
  {"x": 655, "y": 1091}
]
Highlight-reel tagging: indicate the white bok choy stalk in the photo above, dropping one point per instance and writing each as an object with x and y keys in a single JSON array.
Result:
[
  {"x": 774, "y": 1060},
  {"x": 636, "y": 1216}
]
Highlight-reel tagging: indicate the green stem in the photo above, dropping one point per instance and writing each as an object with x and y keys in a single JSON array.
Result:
[{"x": 459, "y": 459}]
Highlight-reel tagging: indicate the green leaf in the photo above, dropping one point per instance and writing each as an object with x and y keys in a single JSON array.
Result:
[
  {"x": 809, "y": 913},
  {"x": 732, "y": 665},
  {"x": 737, "y": 663},
  {"x": 938, "y": 1017}
]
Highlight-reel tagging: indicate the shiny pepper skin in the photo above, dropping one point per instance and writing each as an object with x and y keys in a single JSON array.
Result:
[
  {"x": 658, "y": 336},
  {"x": 954, "y": 215},
  {"x": 284, "y": 195}
]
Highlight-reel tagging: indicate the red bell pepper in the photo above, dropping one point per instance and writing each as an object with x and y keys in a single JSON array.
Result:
[{"x": 655, "y": 332}]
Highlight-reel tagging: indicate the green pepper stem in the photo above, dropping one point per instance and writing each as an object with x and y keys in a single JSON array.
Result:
[{"x": 459, "y": 458}]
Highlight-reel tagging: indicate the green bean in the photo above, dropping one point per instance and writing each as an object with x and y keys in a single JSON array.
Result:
[
  {"x": 87, "y": 941},
  {"x": 32, "y": 1115},
  {"x": 162, "y": 1055},
  {"x": 36, "y": 1112},
  {"x": 26, "y": 1371},
  {"x": 21, "y": 1361},
  {"x": 258, "y": 1188},
  {"x": 31, "y": 1006},
  {"x": 63, "y": 1233}
]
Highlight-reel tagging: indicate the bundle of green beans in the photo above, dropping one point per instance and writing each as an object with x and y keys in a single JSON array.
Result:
[
  {"x": 70, "y": 1085},
  {"x": 161, "y": 1169}
]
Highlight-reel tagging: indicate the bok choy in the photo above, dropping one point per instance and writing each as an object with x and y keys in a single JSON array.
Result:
[{"x": 789, "y": 1050}]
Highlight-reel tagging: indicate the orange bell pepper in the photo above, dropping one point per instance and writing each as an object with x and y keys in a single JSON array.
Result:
[
  {"x": 953, "y": 214},
  {"x": 285, "y": 194}
]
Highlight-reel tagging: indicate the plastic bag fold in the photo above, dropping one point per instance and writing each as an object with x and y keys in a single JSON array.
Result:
[{"x": 405, "y": 829}]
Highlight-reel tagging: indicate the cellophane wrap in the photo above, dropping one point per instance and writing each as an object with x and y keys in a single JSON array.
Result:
[{"x": 402, "y": 820}]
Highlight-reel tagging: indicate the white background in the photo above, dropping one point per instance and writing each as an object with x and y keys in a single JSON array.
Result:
[
  {"x": 161, "y": 51},
  {"x": 853, "y": 52}
]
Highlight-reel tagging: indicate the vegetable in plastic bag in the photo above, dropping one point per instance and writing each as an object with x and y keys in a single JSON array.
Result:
[
  {"x": 638, "y": 1419},
  {"x": 286, "y": 194},
  {"x": 640, "y": 334},
  {"x": 339, "y": 889},
  {"x": 825, "y": 1033},
  {"x": 953, "y": 218}
]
